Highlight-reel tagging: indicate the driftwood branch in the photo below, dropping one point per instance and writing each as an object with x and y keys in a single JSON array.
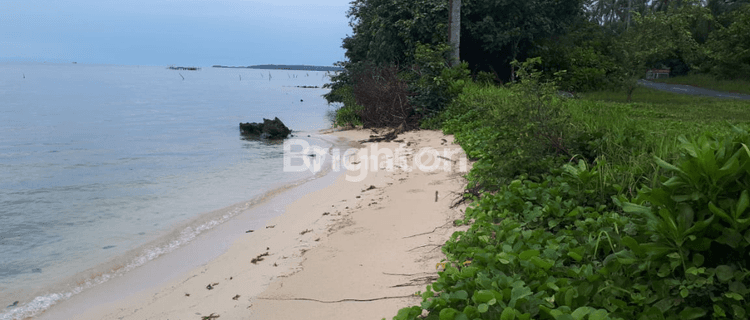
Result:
[
  {"x": 428, "y": 232},
  {"x": 426, "y": 245},
  {"x": 337, "y": 301},
  {"x": 405, "y": 274}
]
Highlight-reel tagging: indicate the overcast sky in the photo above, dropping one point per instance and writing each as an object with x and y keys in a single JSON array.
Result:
[{"x": 179, "y": 32}]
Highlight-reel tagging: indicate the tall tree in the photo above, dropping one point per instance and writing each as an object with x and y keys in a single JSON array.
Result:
[
  {"x": 454, "y": 36},
  {"x": 495, "y": 32}
]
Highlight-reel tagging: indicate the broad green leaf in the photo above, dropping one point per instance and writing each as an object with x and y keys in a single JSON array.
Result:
[
  {"x": 743, "y": 203},
  {"x": 717, "y": 211},
  {"x": 673, "y": 182},
  {"x": 508, "y": 314},
  {"x": 483, "y": 307},
  {"x": 570, "y": 295},
  {"x": 635, "y": 208},
  {"x": 719, "y": 311},
  {"x": 471, "y": 312},
  {"x": 734, "y": 296},
  {"x": 724, "y": 273},
  {"x": 692, "y": 313},
  {"x": 599, "y": 314},
  {"x": 542, "y": 263},
  {"x": 687, "y": 146},
  {"x": 700, "y": 225},
  {"x": 731, "y": 166},
  {"x": 575, "y": 256},
  {"x": 739, "y": 312},
  {"x": 448, "y": 314},
  {"x": 633, "y": 245},
  {"x": 684, "y": 292},
  {"x": 518, "y": 293},
  {"x": 692, "y": 270},
  {"x": 460, "y": 295},
  {"x": 664, "y": 304},
  {"x": 553, "y": 286},
  {"x": 581, "y": 312},
  {"x": 625, "y": 257},
  {"x": 528, "y": 254},
  {"x": 482, "y": 296},
  {"x": 667, "y": 165}
]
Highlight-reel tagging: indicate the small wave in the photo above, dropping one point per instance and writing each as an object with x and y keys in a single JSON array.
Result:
[{"x": 43, "y": 302}]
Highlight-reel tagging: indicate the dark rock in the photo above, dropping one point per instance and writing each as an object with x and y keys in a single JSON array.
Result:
[{"x": 269, "y": 129}]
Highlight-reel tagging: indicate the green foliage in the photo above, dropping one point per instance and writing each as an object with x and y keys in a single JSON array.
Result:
[
  {"x": 584, "y": 52},
  {"x": 553, "y": 250},
  {"x": 579, "y": 240},
  {"x": 485, "y": 78},
  {"x": 348, "y": 113},
  {"x": 388, "y": 31},
  {"x": 656, "y": 37},
  {"x": 510, "y": 131},
  {"x": 434, "y": 83},
  {"x": 729, "y": 47},
  {"x": 496, "y": 32}
]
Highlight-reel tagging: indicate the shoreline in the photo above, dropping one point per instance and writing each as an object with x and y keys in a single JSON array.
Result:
[{"x": 338, "y": 247}]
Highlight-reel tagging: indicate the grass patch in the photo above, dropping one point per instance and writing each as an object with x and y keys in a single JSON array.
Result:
[
  {"x": 710, "y": 82},
  {"x": 660, "y": 106}
]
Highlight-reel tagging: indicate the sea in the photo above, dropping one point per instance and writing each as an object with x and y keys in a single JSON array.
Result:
[{"x": 104, "y": 168}]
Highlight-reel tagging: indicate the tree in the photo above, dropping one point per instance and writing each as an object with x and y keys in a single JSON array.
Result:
[
  {"x": 496, "y": 32},
  {"x": 729, "y": 47},
  {"x": 654, "y": 38},
  {"x": 455, "y": 31},
  {"x": 388, "y": 31}
]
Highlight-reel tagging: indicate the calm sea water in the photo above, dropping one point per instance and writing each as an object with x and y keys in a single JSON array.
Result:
[{"x": 98, "y": 162}]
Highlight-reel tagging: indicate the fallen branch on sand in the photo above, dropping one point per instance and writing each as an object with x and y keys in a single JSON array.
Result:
[
  {"x": 426, "y": 245},
  {"x": 421, "y": 281},
  {"x": 259, "y": 258},
  {"x": 405, "y": 274},
  {"x": 337, "y": 301},
  {"x": 428, "y": 232}
]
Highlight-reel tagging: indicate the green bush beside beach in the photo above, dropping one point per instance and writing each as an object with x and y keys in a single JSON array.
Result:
[{"x": 591, "y": 208}]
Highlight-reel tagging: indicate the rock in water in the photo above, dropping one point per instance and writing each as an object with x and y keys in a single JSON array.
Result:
[{"x": 269, "y": 129}]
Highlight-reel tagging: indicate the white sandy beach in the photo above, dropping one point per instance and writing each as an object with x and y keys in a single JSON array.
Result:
[{"x": 353, "y": 249}]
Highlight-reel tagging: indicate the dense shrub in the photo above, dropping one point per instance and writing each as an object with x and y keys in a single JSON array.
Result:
[
  {"x": 521, "y": 129},
  {"x": 639, "y": 223},
  {"x": 433, "y": 83},
  {"x": 348, "y": 112},
  {"x": 552, "y": 250},
  {"x": 384, "y": 98},
  {"x": 729, "y": 47}
]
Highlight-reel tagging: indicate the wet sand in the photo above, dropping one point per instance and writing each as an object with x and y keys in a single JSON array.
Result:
[{"x": 342, "y": 248}]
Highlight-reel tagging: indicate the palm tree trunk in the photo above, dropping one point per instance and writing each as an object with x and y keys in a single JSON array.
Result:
[{"x": 454, "y": 35}]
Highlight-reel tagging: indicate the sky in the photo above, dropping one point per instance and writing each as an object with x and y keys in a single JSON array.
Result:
[{"x": 174, "y": 32}]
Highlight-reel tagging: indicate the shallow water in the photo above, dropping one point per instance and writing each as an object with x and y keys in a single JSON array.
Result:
[{"x": 103, "y": 168}]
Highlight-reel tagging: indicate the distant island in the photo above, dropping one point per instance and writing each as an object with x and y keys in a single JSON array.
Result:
[
  {"x": 181, "y": 68},
  {"x": 287, "y": 67}
]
